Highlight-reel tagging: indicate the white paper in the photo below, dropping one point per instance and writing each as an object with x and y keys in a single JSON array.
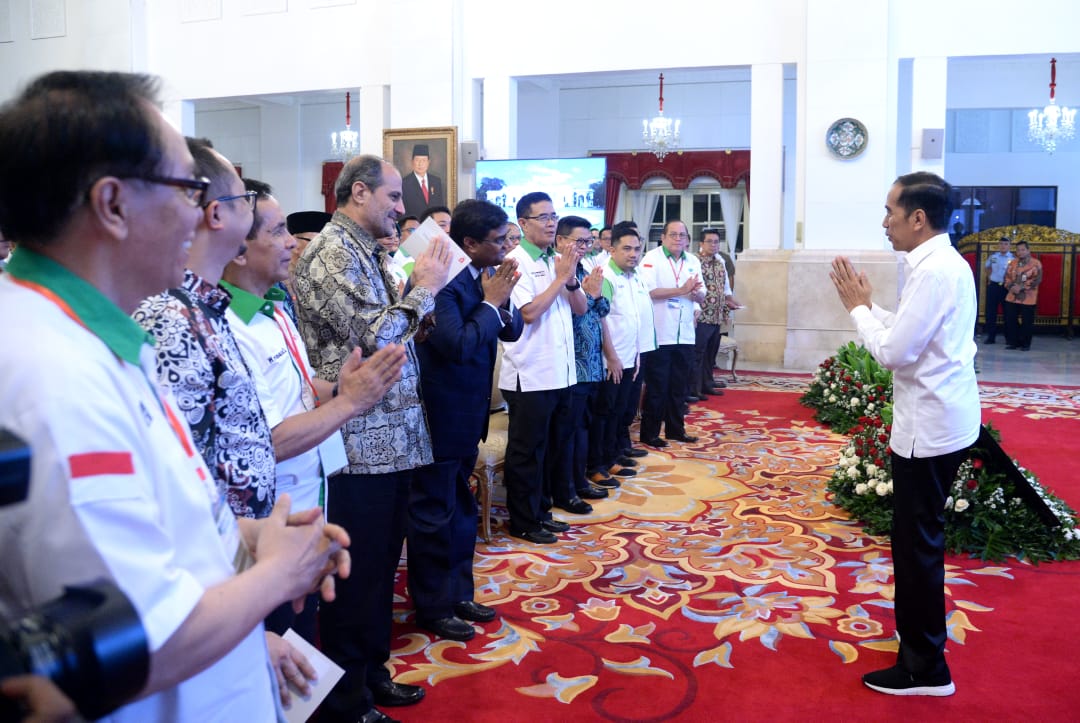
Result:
[
  {"x": 327, "y": 675},
  {"x": 332, "y": 454},
  {"x": 422, "y": 237}
]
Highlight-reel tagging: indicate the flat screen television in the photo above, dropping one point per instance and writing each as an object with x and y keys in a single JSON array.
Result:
[{"x": 576, "y": 185}]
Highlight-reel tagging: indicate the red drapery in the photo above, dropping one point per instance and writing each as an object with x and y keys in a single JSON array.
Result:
[
  {"x": 330, "y": 172},
  {"x": 680, "y": 168}
]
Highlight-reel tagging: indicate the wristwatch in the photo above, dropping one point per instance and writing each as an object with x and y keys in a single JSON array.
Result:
[{"x": 575, "y": 287}]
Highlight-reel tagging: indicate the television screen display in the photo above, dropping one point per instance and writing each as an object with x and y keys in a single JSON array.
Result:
[{"x": 576, "y": 185}]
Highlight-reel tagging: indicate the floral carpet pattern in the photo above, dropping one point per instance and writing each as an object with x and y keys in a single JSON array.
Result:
[{"x": 712, "y": 549}]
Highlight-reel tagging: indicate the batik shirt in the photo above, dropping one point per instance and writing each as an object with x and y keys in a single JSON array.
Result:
[
  {"x": 714, "y": 275},
  {"x": 1028, "y": 275},
  {"x": 197, "y": 357},
  {"x": 347, "y": 298},
  {"x": 588, "y": 336}
]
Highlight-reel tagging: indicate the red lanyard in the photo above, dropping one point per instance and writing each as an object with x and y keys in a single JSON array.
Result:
[
  {"x": 170, "y": 416},
  {"x": 294, "y": 352},
  {"x": 675, "y": 273}
]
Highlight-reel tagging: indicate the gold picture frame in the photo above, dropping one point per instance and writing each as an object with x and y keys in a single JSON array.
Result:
[{"x": 399, "y": 146}]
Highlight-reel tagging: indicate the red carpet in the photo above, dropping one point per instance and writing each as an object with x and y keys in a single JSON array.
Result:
[{"x": 718, "y": 584}]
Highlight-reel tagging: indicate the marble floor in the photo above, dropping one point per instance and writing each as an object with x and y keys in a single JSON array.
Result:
[{"x": 1052, "y": 360}]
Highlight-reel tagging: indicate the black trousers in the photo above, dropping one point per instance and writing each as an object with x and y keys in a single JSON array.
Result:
[
  {"x": 537, "y": 435},
  {"x": 667, "y": 374},
  {"x": 920, "y": 486},
  {"x": 442, "y": 536},
  {"x": 995, "y": 297},
  {"x": 1019, "y": 323},
  {"x": 574, "y": 467},
  {"x": 355, "y": 629},
  {"x": 706, "y": 345},
  {"x": 622, "y": 402}
]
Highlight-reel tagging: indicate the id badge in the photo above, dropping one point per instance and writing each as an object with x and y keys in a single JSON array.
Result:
[
  {"x": 229, "y": 532},
  {"x": 674, "y": 304}
]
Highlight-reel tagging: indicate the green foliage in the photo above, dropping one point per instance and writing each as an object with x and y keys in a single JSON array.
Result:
[
  {"x": 984, "y": 516},
  {"x": 848, "y": 386}
]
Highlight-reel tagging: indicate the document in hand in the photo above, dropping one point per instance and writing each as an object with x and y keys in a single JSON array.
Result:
[{"x": 422, "y": 237}]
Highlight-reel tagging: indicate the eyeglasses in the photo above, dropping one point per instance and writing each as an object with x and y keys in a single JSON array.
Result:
[
  {"x": 544, "y": 218},
  {"x": 679, "y": 236},
  {"x": 584, "y": 241},
  {"x": 250, "y": 196},
  {"x": 194, "y": 189}
]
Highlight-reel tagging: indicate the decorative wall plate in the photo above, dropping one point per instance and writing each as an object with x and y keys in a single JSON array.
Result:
[{"x": 846, "y": 138}]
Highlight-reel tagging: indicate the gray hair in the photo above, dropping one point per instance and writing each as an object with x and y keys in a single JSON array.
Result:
[{"x": 366, "y": 169}]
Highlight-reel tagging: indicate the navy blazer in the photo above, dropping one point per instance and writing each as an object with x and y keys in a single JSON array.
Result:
[{"x": 457, "y": 361}]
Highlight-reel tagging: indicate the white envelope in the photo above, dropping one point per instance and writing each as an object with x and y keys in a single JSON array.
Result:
[
  {"x": 327, "y": 672},
  {"x": 422, "y": 237}
]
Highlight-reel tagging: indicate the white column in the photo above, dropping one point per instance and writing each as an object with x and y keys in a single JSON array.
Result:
[
  {"x": 374, "y": 117},
  {"x": 500, "y": 117},
  {"x": 928, "y": 99},
  {"x": 766, "y": 156}
]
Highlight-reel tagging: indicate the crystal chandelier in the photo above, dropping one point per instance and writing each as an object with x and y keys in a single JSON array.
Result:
[
  {"x": 1052, "y": 124},
  {"x": 661, "y": 134},
  {"x": 345, "y": 144}
]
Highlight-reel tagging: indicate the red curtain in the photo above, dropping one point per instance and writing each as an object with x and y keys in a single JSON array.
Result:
[
  {"x": 680, "y": 168},
  {"x": 330, "y": 172}
]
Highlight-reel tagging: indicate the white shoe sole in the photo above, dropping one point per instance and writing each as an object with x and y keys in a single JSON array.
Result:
[{"x": 938, "y": 691}]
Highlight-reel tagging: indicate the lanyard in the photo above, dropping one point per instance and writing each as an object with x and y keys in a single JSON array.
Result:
[
  {"x": 166, "y": 410},
  {"x": 675, "y": 273},
  {"x": 294, "y": 353}
]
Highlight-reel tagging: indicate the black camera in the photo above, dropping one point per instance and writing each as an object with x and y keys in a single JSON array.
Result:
[{"x": 89, "y": 641}]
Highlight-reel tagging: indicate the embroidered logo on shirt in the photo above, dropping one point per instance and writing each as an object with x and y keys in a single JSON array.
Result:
[{"x": 91, "y": 464}]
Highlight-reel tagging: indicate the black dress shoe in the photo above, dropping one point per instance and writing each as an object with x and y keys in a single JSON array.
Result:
[
  {"x": 713, "y": 392},
  {"x": 689, "y": 439},
  {"x": 576, "y": 505},
  {"x": 720, "y": 384},
  {"x": 451, "y": 628},
  {"x": 691, "y": 398},
  {"x": 632, "y": 452},
  {"x": 389, "y": 693},
  {"x": 1012, "y": 346},
  {"x": 537, "y": 537},
  {"x": 654, "y": 442},
  {"x": 626, "y": 461},
  {"x": 602, "y": 480},
  {"x": 554, "y": 525},
  {"x": 592, "y": 493},
  {"x": 1025, "y": 348},
  {"x": 377, "y": 716},
  {"x": 469, "y": 610}
]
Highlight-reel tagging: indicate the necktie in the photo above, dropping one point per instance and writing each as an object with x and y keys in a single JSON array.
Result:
[{"x": 423, "y": 187}]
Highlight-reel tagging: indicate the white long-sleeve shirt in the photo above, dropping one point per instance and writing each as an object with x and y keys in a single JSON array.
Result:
[{"x": 928, "y": 346}]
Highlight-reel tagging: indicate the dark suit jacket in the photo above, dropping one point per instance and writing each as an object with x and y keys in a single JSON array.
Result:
[
  {"x": 413, "y": 197},
  {"x": 456, "y": 365}
]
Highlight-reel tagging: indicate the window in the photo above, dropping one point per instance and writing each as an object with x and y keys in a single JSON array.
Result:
[{"x": 977, "y": 208}]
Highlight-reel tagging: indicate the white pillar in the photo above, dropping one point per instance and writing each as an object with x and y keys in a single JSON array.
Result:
[
  {"x": 928, "y": 99},
  {"x": 374, "y": 117},
  {"x": 766, "y": 156},
  {"x": 500, "y": 117}
]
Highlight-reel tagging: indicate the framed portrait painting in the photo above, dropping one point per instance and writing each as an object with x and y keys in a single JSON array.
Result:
[{"x": 427, "y": 161}]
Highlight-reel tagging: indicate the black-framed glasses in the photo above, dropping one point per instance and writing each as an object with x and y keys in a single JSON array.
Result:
[
  {"x": 194, "y": 189},
  {"x": 248, "y": 196},
  {"x": 544, "y": 218}
]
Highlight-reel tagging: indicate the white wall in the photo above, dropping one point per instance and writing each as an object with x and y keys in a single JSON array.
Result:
[
  {"x": 95, "y": 34},
  {"x": 431, "y": 53}
]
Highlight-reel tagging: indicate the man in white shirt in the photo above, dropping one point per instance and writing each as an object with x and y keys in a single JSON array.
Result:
[
  {"x": 117, "y": 488},
  {"x": 936, "y": 415},
  {"x": 629, "y": 333},
  {"x": 305, "y": 413},
  {"x": 538, "y": 369},
  {"x": 673, "y": 276},
  {"x": 995, "y": 286}
]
